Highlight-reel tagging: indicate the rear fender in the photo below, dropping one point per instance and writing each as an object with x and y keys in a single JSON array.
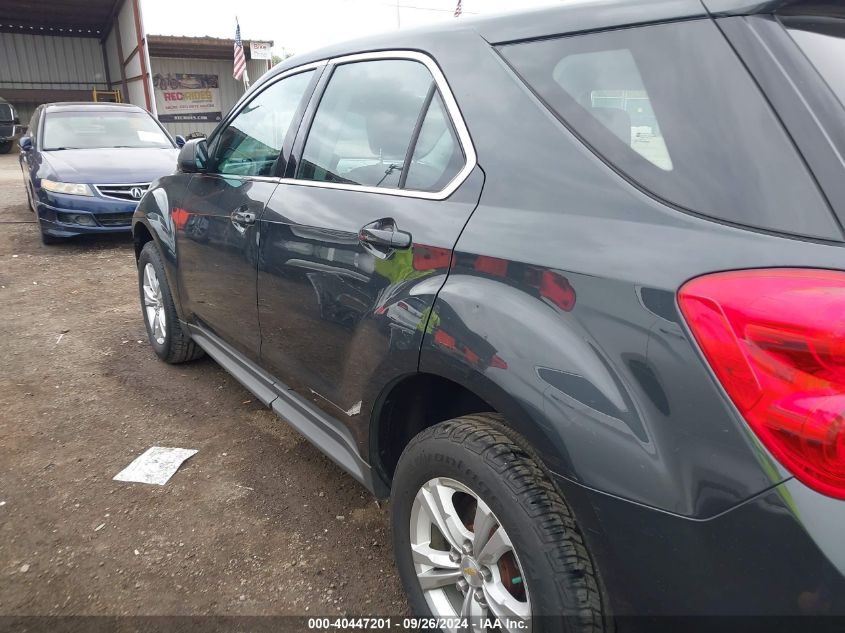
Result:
[
  {"x": 492, "y": 349},
  {"x": 568, "y": 361}
]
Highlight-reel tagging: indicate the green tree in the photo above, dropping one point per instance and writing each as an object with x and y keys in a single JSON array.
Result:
[{"x": 278, "y": 59}]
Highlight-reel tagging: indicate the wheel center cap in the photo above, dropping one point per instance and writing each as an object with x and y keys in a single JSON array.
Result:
[{"x": 471, "y": 571}]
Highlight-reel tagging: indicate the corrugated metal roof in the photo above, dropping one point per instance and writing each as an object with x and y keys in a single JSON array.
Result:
[
  {"x": 194, "y": 47},
  {"x": 88, "y": 18}
]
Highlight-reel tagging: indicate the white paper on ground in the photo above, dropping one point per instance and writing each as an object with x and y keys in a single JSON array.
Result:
[{"x": 155, "y": 465}]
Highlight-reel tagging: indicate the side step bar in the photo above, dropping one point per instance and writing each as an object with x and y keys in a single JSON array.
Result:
[{"x": 326, "y": 433}]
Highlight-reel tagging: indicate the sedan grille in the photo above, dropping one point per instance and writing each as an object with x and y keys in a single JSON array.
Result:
[
  {"x": 130, "y": 192},
  {"x": 114, "y": 219}
]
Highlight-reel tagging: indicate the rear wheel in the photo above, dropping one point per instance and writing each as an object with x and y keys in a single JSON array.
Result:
[
  {"x": 6, "y": 147},
  {"x": 480, "y": 531},
  {"x": 168, "y": 339}
]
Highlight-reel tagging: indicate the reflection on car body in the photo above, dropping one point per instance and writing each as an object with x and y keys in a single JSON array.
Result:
[{"x": 502, "y": 273}]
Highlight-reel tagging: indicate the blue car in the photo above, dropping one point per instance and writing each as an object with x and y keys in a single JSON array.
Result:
[{"x": 86, "y": 166}]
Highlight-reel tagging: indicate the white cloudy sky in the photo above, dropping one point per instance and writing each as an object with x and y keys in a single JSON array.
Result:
[{"x": 301, "y": 25}]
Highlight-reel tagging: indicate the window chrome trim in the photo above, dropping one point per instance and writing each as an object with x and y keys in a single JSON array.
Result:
[
  {"x": 243, "y": 178},
  {"x": 470, "y": 157},
  {"x": 247, "y": 98},
  {"x": 257, "y": 89}
]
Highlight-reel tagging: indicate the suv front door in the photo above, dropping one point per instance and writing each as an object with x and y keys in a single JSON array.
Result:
[
  {"x": 217, "y": 231},
  {"x": 357, "y": 238}
]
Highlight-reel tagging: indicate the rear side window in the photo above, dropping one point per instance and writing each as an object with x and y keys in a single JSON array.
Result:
[
  {"x": 382, "y": 124},
  {"x": 437, "y": 156},
  {"x": 672, "y": 108}
]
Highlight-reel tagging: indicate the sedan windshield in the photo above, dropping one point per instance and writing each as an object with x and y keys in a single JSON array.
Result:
[
  {"x": 76, "y": 129},
  {"x": 6, "y": 113}
]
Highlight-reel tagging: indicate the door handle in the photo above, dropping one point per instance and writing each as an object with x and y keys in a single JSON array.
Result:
[
  {"x": 384, "y": 234},
  {"x": 244, "y": 218}
]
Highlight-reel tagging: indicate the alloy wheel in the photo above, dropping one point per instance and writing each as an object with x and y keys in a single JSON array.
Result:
[
  {"x": 465, "y": 562},
  {"x": 154, "y": 305}
]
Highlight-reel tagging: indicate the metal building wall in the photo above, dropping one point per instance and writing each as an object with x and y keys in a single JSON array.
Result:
[
  {"x": 44, "y": 61},
  {"x": 25, "y": 109},
  {"x": 114, "y": 59},
  {"x": 125, "y": 59},
  {"x": 230, "y": 90},
  {"x": 48, "y": 62}
]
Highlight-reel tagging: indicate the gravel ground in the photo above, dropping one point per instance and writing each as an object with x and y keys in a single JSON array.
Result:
[{"x": 258, "y": 522}]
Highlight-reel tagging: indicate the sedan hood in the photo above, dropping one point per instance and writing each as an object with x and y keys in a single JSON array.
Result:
[{"x": 111, "y": 165}]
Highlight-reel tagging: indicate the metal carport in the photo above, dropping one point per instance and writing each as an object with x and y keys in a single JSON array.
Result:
[{"x": 62, "y": 50}]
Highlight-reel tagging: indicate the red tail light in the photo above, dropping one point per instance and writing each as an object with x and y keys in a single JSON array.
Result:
[{"x": 776, "y": 341}]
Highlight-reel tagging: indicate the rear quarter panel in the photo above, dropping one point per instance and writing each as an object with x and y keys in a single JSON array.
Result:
[{"x": 560, "y": 311}]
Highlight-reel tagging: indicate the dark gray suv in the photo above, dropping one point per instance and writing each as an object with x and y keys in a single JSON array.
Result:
[
  {"x": 568, "y": 286},
  {"x": 10, "y": 127}
]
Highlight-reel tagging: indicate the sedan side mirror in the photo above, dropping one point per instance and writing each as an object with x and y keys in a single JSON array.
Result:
[
  {"x": 25, "y": 142},
  {"x": 180, "y": 140},
  {"x": 193, "y": 157}
]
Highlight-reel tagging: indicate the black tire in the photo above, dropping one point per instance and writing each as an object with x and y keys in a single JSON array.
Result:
[
  {"x": 29, "y": 200},
  {"x": 480, "y": 452},
  {"x": 177, "y": 346},
  {"x": 51, "y": 240},
  {"x": 47, "y": 239},
  {"x": 6, "y": 147}
]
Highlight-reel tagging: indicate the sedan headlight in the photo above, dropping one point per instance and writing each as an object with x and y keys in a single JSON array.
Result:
[{"x": 72, "y": 188}]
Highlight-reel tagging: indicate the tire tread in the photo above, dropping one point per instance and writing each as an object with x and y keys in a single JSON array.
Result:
[
  {"x": 181, "y": 347},
  {"x": 507, "y": 454}
]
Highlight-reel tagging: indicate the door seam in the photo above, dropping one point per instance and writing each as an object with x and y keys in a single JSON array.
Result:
[{"x": 451, "y": 263}]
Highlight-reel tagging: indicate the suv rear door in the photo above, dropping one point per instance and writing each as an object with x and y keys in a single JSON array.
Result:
[{"x": 382, "y": 155}]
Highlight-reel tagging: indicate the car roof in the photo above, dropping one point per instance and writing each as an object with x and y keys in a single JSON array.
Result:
[
  {"x": 574, "y": 16},
  {"x": 66, "y": 106},
  {"x": 749, "y": 7}
]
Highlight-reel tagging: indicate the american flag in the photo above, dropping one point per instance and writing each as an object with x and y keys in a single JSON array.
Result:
[
  {"x": 240, "y": 59},
  {"x": 458, "y": 9}
]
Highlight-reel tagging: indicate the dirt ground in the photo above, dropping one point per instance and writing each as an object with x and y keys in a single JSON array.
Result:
[{"x": 258, "y": 522}]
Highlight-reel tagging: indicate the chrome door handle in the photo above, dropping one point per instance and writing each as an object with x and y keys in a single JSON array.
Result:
[
  {"x": 384, "y": 234},
  {"x": 245, "y": 218}
]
